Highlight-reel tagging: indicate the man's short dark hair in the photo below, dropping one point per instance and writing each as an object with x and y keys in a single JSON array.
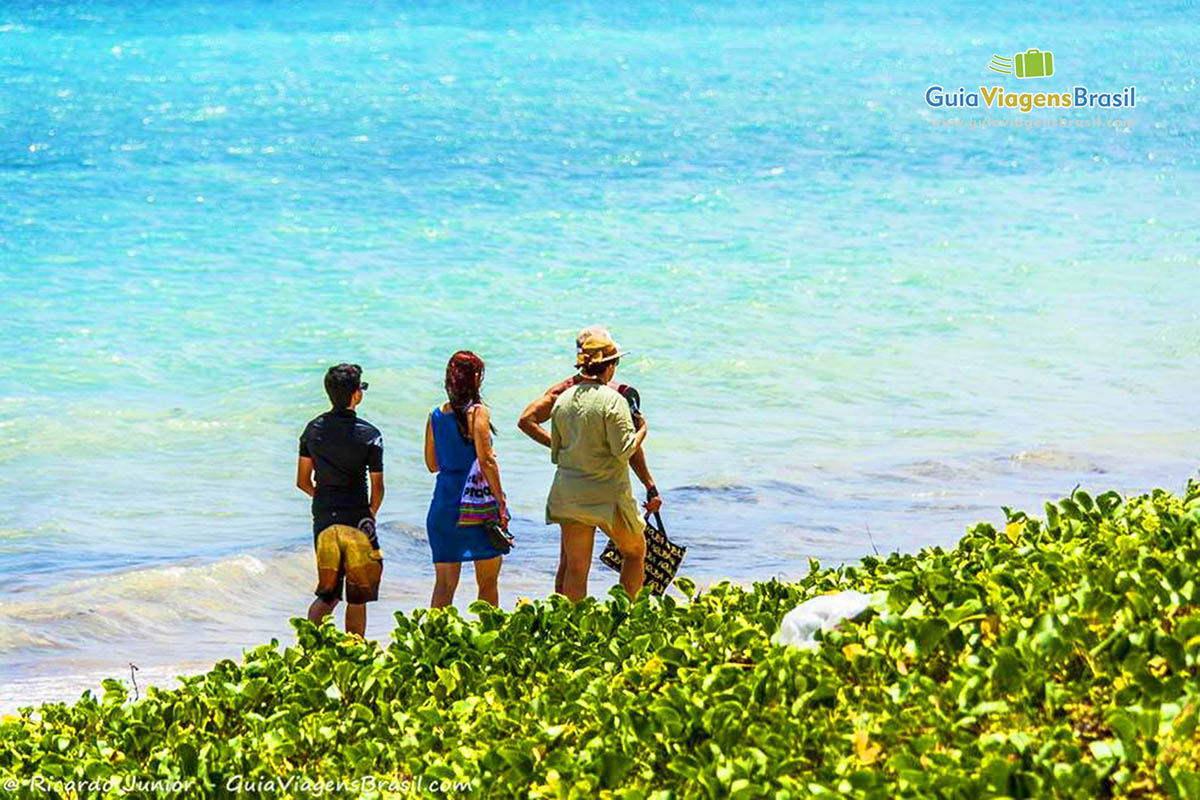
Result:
[{"x": 341, "y": 382}]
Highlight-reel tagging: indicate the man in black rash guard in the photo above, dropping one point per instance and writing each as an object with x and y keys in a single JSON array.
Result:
[{"x": 342, "y": 450}]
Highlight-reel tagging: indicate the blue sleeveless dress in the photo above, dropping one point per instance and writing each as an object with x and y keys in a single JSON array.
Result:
[{"x": 455, "y": 455}]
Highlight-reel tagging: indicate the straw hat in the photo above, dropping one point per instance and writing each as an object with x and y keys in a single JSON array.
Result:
[{"x": 595, "y": 345}]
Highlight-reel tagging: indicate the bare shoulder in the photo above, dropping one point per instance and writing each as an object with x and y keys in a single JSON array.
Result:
[{"x": 562, "y": 386}]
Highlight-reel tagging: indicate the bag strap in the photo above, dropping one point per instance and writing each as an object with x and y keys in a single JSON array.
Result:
[{"x": 658, "y": 523}]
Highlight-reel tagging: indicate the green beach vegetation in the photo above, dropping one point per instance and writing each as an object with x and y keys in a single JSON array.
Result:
[{"x": 1044, "y": 657}]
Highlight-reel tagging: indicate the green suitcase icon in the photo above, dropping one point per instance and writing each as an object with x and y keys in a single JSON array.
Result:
[{"x": 1034, "y": 63}]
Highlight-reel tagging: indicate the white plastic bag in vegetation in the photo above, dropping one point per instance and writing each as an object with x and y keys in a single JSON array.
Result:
[{"x": 800, "y": 625}]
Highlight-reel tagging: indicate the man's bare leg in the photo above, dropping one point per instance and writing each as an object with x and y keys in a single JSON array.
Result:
[
  {"x": 319, "y": 610},
  {"x": 356, "y": 618}
]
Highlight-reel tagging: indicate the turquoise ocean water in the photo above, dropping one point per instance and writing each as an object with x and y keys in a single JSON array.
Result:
[{"x": 852, "y": 329}]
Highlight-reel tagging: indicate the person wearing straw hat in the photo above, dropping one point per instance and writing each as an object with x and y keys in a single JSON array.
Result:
[
  {"x": 538, "y": 412},
  {"x": 592, "y": 436}
]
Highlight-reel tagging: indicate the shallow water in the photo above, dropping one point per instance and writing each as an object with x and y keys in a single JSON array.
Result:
[{"x": 852, "y": 331}]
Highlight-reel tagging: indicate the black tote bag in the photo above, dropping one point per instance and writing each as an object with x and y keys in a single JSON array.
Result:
[{"x": 662, "y": 556}]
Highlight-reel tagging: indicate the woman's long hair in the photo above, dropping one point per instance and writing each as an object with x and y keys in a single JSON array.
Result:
[{"x": 464, "y": 375}]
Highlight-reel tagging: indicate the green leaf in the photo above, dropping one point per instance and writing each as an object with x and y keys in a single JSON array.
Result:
[{"x": 1107, "y": 750}]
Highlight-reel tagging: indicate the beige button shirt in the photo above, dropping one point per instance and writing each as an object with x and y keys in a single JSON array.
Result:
[{"x": 591, "y": 440}]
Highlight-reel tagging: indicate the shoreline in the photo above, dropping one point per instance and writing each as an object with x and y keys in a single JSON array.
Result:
[
  {"x": 177, "y": 618},
  {"x": 68, "y": 689}
]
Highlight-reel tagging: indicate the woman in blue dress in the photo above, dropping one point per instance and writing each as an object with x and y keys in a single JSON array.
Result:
[{"x": 456, "y": 434}]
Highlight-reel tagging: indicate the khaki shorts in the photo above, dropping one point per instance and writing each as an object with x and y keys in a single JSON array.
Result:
[{"x": 348, "y": 556}]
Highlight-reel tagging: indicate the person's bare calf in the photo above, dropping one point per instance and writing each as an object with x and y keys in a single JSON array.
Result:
[
  {"x": 445, "y": 583},
  {"x": 632, "y": 547},
  {"x": 356, "y": 615},
  {"x": 487, "y": 578},
  {"x": 356, "y": 619},
  {"x": 562, "y": 569},
  {"x": 319, "y": 610},
  {"x": 575, "y": 581},
  {"x": 577, "y": 541},
  {"x": 633, "y": 570}
]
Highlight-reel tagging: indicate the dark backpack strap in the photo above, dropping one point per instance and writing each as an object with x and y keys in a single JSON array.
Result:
[{"x": 632, "y": 397}]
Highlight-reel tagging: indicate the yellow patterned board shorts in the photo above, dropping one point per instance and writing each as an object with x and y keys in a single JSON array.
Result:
[{"x": 349, "y": 556}]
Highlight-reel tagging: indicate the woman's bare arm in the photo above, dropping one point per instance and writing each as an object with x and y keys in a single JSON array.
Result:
[
  {"x": 430, "y": 451},
  {"x": 481, "y": 434}
]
